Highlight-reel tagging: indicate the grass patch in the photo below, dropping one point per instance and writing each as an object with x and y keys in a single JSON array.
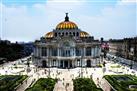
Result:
[
  {"x": 85, "y": 84},
  {"x": 9, "y": 82},
  {"x": 43, "y": 84},
  {"x": 116, "y": 66},
  {"x": 122, "y": 82}
]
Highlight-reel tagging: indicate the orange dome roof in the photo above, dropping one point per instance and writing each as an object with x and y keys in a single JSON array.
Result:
[
  {"x": 66, "y": 25},
  {"x": 83, "y": 34},
  {"x": 49, "y": 35}
]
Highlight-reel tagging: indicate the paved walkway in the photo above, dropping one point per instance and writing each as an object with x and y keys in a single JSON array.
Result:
[
  {"x": 25, "y": 85},
  {"x": 59, "y": 86},
  {"x": 65, "y": 82},
  {"x": 65, "y": 75}
]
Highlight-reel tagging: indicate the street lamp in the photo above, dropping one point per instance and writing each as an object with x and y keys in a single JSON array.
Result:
[
  {"x": 132, "y": 57},
  {"x": 101, "y": 55}
]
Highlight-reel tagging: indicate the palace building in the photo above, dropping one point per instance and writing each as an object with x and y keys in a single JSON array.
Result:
[{"x": 66, "y": 46}]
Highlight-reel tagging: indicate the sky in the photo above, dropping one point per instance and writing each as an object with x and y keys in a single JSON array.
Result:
[{"x": 28, "y": 20}]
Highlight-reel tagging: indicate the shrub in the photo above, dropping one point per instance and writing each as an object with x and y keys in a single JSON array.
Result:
[
  {"x": 9, "y": 82},
  {"x": 85, "y": 84},
  {"x": 121, "y": 82},
  {"x": 43, "y": 84}
]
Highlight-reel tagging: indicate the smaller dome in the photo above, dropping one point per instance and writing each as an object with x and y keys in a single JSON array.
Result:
[
  {"x": 49, "y": 35},
  {"x": 84, "y": 34}
]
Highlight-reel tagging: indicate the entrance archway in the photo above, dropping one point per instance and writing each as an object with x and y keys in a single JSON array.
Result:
[
  {"x": 88, "y": 63},
  {"x": 44, "y": 63},
  {"x": 61, "y": 64},
  {"x": 65, "y": 64}
]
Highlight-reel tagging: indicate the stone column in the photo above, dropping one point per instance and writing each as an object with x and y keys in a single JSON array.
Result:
[
  {"x": 81, "y": 61},
  {"x": 63, "y": 63},
  {"x": 40, "y": 51},
  {"x": 94, "y": 52},
  {"x": 58, "y": 63},
  {"x": 76, "y": 62},
  {"x": 48, "y": 62},
  {"x": 91, "y": 51},
  {"x": 84, "y": 52},
  {"x": 37, "y": 52},
  {"x": 47, "y": 51},
  {"x": 58, "y": 52},
  {"x": 74, "y": 51},
  {"x": 34, "y": 51},
  {"x": 72, "y": 64},
  {"x": 68, "y": 63}
]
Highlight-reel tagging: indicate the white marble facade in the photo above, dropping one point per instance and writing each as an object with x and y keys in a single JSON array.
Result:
[{"x": 66, "y": 47}]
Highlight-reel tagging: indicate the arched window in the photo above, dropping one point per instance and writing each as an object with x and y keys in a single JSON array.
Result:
[
  {"x": 77, "y": 34},
  {"x": 74, "y": 33},
  {"x": 54, "y": 63},
  {"x": 44, "y": 51},
  {"x": 66, "y": 33},
  {"x": 88, "y": 51},
  {"x": 63, "y": 34},
  {"x": 78, "y": 62},
  {"x": 59, "y": 34},
  {"x": 55, "y": 34},
  {"x": 69, "y": 33},
  {"x": 88, "y": 63}
]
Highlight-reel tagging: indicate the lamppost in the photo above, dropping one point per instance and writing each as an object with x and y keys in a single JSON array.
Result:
[
  {"x": 28, "y": 65},
  {"x": 131, "y": 53},
  {"x": 101, "y": 56}
]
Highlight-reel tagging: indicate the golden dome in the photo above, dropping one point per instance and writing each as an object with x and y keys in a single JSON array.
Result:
[
  {"x": 84, "y": 34},
  {"x": 66, "y": 25},
  {"x": 49, "y": 35}
]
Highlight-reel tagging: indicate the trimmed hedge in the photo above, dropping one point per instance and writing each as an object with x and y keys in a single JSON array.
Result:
[
  {"x": 122, "y": 82},
  {"x": 85, "y": 84},
  {"x": 9, "y": 82},
  {"x": 43, "y": 84}
]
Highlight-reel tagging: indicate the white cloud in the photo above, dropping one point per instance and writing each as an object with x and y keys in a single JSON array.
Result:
[
  {"x": 129, "y": 1},
  {"x": 21, "y": 24},
  {"x": 113, "y": 22},
  {"x": 66, "y": 1}
]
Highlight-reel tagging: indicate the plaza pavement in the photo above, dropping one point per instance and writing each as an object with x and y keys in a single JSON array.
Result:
[{"x": 65, "y": 76}]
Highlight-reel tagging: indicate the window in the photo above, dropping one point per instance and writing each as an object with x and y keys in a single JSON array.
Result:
[
  {"x": 55, "y": 34},
  {"x": 54, "y": 52},
  {"x": 44, "y": 51},
  {"x": 77, "y": 34},
  {"x": 78, "y": 52},
  {"x": 54, "y": 63},
  {"x": 62, "y": 34},
  {"x": 78, "y": 62},
  {"x": 66, "y": 33},
  {"x": 74, "y": 33},
  {"x": 59, "y": 34},
  {"x": 88, "y": 51}
]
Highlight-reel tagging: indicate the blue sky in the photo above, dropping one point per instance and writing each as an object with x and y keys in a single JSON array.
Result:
[{"x": 28, "y": 20}]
